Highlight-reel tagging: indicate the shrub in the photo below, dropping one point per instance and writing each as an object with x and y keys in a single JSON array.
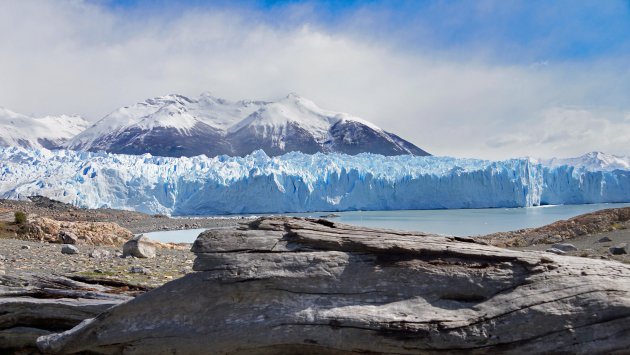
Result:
[{"x": 20, "y": 217}]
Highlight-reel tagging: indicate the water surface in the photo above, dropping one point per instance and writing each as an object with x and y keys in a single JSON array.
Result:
[{"x": 461, "y": 222}]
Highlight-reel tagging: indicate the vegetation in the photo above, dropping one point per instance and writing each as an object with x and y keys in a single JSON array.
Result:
[
  {"x": 8, "y": 230},
  {"x": 617, "y": 225},
  {"x": 20, "y": 217}
]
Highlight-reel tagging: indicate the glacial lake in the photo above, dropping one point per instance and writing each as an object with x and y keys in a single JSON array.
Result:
[{"x": 460, "y": 222}]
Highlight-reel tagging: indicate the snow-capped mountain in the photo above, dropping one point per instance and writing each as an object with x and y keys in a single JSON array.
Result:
[
  {"x": 593, "y": 161},
  {"x": 175, "y": 125},
  {"x": 297, "y": 182},
  {"x": 36, "y": 132}
]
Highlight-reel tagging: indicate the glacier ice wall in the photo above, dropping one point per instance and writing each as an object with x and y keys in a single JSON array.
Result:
[{"x": 298, "y": 182}]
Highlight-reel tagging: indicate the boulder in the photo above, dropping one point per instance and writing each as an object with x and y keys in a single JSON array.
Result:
[
  {"x": 69, "y": 249},
  {"x": 139, "y": 246},
  {"x": 288, "y": 285},
  {"x": 555, "y": 251},
  {"x": 99, "y": 253},
  {"x": 138, "y": 270},
  {"x": 565, "y": 247},
  {"x": 67, "y": 237},
  {"x": 619, "y": 249},
  {"x": 604, "y": 240}
]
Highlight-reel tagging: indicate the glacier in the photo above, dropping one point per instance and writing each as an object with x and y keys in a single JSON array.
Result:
[{"x": 297, "y": 182}]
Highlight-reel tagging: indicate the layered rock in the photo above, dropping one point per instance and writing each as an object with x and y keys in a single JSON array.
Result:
[
  {"x": 286, "y": 285},
  {"x": 36, "y": 305}
]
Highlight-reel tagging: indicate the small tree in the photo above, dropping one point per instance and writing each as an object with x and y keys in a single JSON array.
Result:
[{"x": 20, "y": 217}]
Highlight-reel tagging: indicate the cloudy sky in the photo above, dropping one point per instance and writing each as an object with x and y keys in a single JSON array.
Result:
[{"x": 488, "y": 79}]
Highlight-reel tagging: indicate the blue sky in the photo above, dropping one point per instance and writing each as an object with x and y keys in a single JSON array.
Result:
[
  {"x": 490, "y": 79},
  {"x": 511, "y": 30}
]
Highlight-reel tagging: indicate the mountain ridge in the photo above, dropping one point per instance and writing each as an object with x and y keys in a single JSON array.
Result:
[
  {"x": 49, "y": 132},
  {"x": 175, "y": 125}
]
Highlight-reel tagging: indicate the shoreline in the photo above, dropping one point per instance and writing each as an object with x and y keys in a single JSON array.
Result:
[{"x": 20, "y": 255}]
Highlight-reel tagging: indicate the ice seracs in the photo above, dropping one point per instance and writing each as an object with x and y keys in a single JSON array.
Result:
[
  {"x": 175, "y": 125},
  {"x": 50, "y": 132},
  {"x": 297, "y": 182}
]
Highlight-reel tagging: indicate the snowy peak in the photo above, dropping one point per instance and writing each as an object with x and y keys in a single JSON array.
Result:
[
  {"x": 593, "y": 161},
  {"x": 175, "y": 125},
  {"x": 275, "y": 117},
  {"x": 36, "y": 132}
]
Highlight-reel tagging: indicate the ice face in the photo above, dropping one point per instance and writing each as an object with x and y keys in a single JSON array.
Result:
[{"x": 297, "y": 182}]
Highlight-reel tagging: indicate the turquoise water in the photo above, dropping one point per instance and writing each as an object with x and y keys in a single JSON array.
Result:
[{"x": 453, "y": 222}]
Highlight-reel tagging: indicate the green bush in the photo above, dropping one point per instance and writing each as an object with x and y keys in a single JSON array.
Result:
[{"x": 20, "y": 217}]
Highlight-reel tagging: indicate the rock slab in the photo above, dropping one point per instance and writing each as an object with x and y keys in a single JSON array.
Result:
[
  {"x": 287, "y": 285},
  {"x": 35, "y": 305}
]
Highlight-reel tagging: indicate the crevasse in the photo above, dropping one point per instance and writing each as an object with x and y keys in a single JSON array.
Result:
[{"x": 298, "y": 182}]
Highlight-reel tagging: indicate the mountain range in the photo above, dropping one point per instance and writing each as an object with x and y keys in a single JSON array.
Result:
[
  {"x": 49, "y": 132},
  {"x": 175, "y": 125}
]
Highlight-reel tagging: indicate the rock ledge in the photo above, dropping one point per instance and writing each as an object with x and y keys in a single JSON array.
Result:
[{"x": 288, "y": 285}]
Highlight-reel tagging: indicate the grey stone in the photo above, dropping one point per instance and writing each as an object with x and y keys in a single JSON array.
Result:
[
  {"x": 139, "y": 246},
  {"x": 619, "y": 249},
  {"x": 137, "y": 270},
  {"x": 286, "y": 285},
  {"x": 604, "y": 240},
  {"x": 25, "y": 247},
  {"x": 67, "y": 237},
  {"x": 99, "y": 253},
  {"x": 564, "y": 247},
  {"x": 555, "y": 251},
  {"x": 554, "y": 239},
  {"x": 69, "y": 249}
]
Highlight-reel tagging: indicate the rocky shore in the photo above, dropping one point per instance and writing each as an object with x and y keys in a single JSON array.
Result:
[
  {"x": 602, "y": 234},
  {"x": 96, "y": 268},
  {"x": 135, "y": 222},
  {"x": 97, "y": 263}
]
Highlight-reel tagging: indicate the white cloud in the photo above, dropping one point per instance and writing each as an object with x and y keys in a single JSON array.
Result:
[
  {"x": 565, "y": 131},
  {"x": 73, "y": 57}
]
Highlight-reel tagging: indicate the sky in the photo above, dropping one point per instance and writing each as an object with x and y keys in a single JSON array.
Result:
[{"x": 483, "y": 79}]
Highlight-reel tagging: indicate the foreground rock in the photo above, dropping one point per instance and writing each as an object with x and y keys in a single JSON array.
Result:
[
  {"x": 284, "y": 285},
  {"x": 35, "y": 305}
]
